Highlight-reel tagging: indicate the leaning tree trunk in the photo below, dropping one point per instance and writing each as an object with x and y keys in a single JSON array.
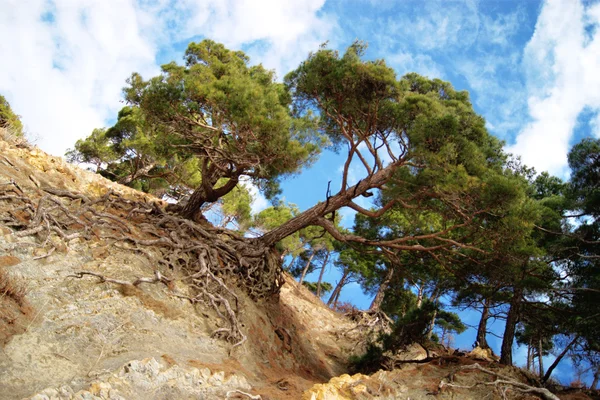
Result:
[
  {"x": 305, "y": 270},
  {"x": 482, "y": 328},
  {"x": 378, "y": 300},
  {"x": 560, "y": 357},
  {"x": 321, "y": 274},
  {"x": 511, "y": 324},
  {"x": 338, "y": 287},
  {"x": 333, "y": 203}
]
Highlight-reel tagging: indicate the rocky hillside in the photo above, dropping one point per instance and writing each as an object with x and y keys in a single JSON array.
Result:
[{"x": 85, "y": 314}]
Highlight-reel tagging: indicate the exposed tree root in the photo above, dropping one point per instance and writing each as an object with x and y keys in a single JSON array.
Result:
[
  {"x": 501, "y": 381},
  {"x": 209, "y": 258}
]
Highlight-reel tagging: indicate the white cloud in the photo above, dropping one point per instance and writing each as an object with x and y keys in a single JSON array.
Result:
[
  {"x": 64, "y": 77},
  {"x": 562, "y": 63},
  {"x": 66, "y": 61},
  {"x": 259, "y": 202}
]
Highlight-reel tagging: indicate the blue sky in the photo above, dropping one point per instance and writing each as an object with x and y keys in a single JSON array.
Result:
[{"x": 531, "y": 66}]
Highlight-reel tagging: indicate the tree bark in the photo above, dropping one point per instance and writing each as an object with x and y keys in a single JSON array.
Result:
[
  {"x": 305, "y": 270},
  {"x": 560, "y": 357},
  {"x": 511, "y": 324},
  {"x": 337, "y": 298},
  {"x": 205, "y": 193},
  {"x": 322, "y": 273},
  {"x": 482, "y": 328},
  {"x": 540, "y": 357},
  {"x": 432, "y": 324},
  {"x": 419, "y": 296},
  {"x": 434, "y": 298},
  {"x": 289, "y": 266},
  {"x": 595, "y": 381},
  {"x": 378, "y": 300},
  {"x": 338, "y": 287},
  {"x": 333, "y": 203},
  {"x": 529, "y": 356}
]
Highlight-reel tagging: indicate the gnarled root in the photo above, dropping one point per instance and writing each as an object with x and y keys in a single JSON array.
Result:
[
  {"x": 206, "y": 256},
  {"x": 500, "y": 381}
]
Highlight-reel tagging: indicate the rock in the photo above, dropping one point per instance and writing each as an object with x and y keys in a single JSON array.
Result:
[
  {"x": 483, "y": 354},
  {"x": 147, "y": 379},
  {"x": 414, "y": 352}
]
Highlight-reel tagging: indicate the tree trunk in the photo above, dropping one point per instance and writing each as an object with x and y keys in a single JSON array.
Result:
[
  {"x": 205, "y": 193},
  {"x": 529, "y": 356},
  {"x": 482, "y": 328},
  {"x": 540, "y": 357},
  {"x": 378, "y": 300},
  {"x": 434, "y": 298},
  {"x": 306, "y": 268},
  {"x": 560, "y": 357},
  {"x": 595, "y": 381},
  {"x": 432, "y": 324},
  {"x": 419, "y": 296},
  {"x": 333, "y": 203},
  {"x": 321, "y": 274},
  {"x": 511, "y": 324},
  {"x": 443, "y": 336},
  {"x": 337, "y": 297},
  {"x": 338, "y": 287},
  {"x": 289, "y": 266}
]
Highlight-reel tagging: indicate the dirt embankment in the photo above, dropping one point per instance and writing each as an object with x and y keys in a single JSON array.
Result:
[{"x": 61, "y": 331}]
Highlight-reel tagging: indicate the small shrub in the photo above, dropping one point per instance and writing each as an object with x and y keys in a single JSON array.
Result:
[{"x": 369, "y": 362}]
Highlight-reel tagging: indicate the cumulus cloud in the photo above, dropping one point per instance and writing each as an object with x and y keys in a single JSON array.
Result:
[
  {"x": 562, "y": 61},
  {"x": 66, "y": 61}
]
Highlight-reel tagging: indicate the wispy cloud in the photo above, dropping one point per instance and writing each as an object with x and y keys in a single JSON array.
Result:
[
  {"x": 423, "y": 64},
  {"x": 439, "y": 25},
  {"x": 562, "y": 62},
  {"x": 66, "y": 62}
]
